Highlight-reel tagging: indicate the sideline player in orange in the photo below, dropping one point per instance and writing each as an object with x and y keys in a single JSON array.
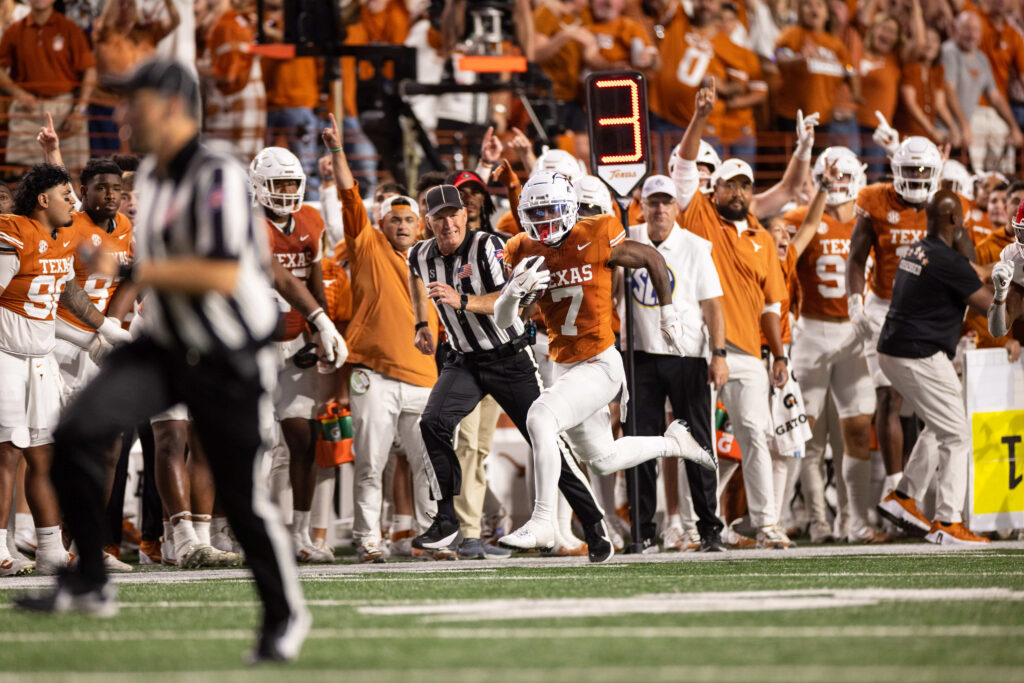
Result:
[
  {"x": 295, "y": 231},
  {"x": 569, "y": 266}
]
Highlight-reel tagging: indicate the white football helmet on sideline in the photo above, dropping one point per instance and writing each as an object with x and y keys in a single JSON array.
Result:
[
  {"x": 560, "y": 161},
  {"x": 548, "y": 207},
  {"x": 852, "y": 178},
  {"x": 591, "y": 190},
  {"x": 707, "y": 162},
  {"x": 1017, "y": 223},
  {"x": 268, "y": 168},
  {"x": 959, "y": 179},
  {"x": 916, "y": 166}
]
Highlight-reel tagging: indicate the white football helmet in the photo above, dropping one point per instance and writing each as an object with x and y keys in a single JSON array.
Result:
[
  {"x": 916, "y": 166},
  {"x": 1017, "y": 223},
  {"x": 268, "y": 168},
  {"x": 560, "y": 161},
  {"x": 591, "y": 190},
  {"x": 548, "y": 207},
  {"x": 706, "y": 157},
  {"x": 852, "y": 178},
  {"x": 958, "y": 177}
]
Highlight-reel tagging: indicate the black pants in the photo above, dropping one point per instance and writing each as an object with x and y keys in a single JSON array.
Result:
[
  {"x": 514, "y": 382},
  {"x": 684, "y": 381},
  {"x": 152, "y": 512},
  {"x": 226, "y": 397}
]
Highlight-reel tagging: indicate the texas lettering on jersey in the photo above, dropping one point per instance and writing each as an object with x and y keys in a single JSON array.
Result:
[
  {"x": 821, "y": 268},
  {"x": 115, "y": 243},
  {"x": 577, "y": 305},
  {"x": 298, "y": 251},
  {"x": 897, "y": 225}
]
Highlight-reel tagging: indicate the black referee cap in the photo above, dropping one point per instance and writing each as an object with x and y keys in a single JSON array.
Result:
[
  {"x": 441, "y": 197},
  {"x": 166, "y": 76}
]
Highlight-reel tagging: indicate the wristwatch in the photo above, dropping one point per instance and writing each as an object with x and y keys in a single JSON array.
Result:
[
  {"x": 463, "y": 301},
  {"x": 783, "y": 359},
  {"x": 721, "y": 353}
]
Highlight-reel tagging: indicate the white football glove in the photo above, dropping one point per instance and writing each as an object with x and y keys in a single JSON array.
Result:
[
  {"x": 527, "y": 277},
  {"x": 672, "y": 329},
  {"x": 333, "y": 344},
  {"x": 805, "y": 134},
  {"x": 112, "y": 333},
  {"x": 98, "y": 349},
  {"x": 864, "y": 328},
  {"x": 1002, "y": 276},
  {"x": 885, "y": 136}
]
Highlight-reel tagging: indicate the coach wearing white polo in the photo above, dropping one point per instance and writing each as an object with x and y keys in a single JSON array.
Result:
[{"x": 684, "y": 380}]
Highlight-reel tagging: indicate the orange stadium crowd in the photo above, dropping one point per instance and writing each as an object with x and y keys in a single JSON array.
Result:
[{"x": 825, "y": 136}]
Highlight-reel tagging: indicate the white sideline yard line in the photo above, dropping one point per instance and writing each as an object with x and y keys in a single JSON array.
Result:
[
  {"x": 698, "y": 673},
  {"x": 455, "y": 574},
  {"x": 527, "y": 633},
  {"x": 768, "y": 673},
  {"x": 487, "y": 569}
]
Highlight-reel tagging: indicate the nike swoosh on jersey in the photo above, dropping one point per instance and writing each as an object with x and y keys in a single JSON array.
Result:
[
  {"x": 582, "y": 246},
  {"x": 66, "y": 243},
  {"x": 121, "y": 237},
  {"x": 304, "y": 238}
]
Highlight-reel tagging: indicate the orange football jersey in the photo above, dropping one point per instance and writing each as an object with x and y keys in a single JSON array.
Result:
[
  {"x": 978, "y": 227},
  {"x": 821, "y": 269},
  {"x": 687, "y": 58},
  {"x": 337, "y": 291},
  {"x": 577, "y": 305},
  {"x": 616, "y": 38},
  {"x": 989, "y": 250},
  {"x": 29, "y": 302},
  {"x": 897, "y": 225},
  {"x": 297, "y": 251},
  {"x": 117, "y": 243}
]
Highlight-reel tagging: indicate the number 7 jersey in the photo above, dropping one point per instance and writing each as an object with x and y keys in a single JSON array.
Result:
[
  {"x": 29, "y": 301},
  {"x": 577, "y": 305}
]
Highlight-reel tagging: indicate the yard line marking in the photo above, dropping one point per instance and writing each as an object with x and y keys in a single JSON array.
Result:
[
  {"x": 586, "y": 632},
  {"x": 699, "y": 673}
]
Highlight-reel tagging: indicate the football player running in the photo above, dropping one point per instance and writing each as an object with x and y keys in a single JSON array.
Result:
[
  {"x": 826, "y": 353},
  {"x": 891, "y": 217},
  {"x": 1008, "y": 281},
  {"x": 569, "y": 264},
  {"x": 295, "y": 232}
]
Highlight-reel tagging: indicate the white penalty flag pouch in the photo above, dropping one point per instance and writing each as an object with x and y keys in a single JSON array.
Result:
[{"x": 791, "y": 429}]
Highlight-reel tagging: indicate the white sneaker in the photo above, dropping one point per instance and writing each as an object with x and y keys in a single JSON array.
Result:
[
  {"x": 370, "y": 552},
  {"x": 224, "y": 541},
  {"x": 52, "y": 564},
  {"x": 220, "y": 558},
  {"x": 821, "y": 532},
  {"x": 533, "y": 534},
  {"x": 112, "y": 564},
  {"x": 773, "y": 537},
  {"x": 16, "y": 566},
  {"x": 323, "y": 545},
  {"x": 198, "y": 555},
  {"x": 688, "y": 447},
  {"x": 401, "y": 542},
  {"x": 615, "y": 538},
  {"x": 672, "y": 537},
  {"x": 25, "y": 540},
  {"x": 309, "y": 553},
  {"x": 690, "y": 540}
]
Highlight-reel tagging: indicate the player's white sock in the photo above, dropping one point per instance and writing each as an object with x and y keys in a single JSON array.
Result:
[
  {"x": 300, "y": 528},
  {"x": 401, "y": 523},
  {"x": 891, "y": 483},
  {"x": 675, "y": 520},
  {"x": 23, "y": 520},
  {"x": 5, "y": 552},
  {"x": 219, "y": 524},
  {"x": 51, "y": 545},
  {"x": 201, "y": 523},
  {"x": 184, "y": 533},
  {"x": 631, "y": 451},
  {"x": 564, "y": 527},
  {"x": 857, "y": 477}
]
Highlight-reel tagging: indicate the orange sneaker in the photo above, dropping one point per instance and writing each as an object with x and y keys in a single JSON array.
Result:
[
  {"x": 149, "y": 552},
  {"x": 130, "y": 534},
  {"x": 904, "y": 513},
  {"x": 114, "y": 550},
  {"x": 953, "y": 534}
]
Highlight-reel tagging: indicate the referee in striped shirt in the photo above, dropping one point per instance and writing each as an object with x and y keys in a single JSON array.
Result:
[
  {"x": 201, "y": 252},
  {"x": 461, "y": 271}
]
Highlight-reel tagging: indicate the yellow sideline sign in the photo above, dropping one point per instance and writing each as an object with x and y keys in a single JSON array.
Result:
[{"x": 998, "y": 439}]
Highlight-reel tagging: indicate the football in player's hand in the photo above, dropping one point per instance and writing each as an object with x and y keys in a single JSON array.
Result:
[{"x": 542, "y": 268}]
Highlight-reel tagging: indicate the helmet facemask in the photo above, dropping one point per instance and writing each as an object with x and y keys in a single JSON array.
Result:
[
  {"x": 915, "y": 183},
  {"x": 549, "y": 223},
  {"x": 281, "y": 202}
]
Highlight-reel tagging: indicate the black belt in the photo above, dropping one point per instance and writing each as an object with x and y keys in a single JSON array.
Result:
[{"x": 497, "y": 353}]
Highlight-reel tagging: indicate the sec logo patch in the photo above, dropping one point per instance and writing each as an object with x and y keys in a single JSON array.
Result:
[
  {"x": 643, "y": 288},
  {"x": 893, "y": 217},
  {"x": 96, "y": 241},
  {"x": 43, "y": 246}
]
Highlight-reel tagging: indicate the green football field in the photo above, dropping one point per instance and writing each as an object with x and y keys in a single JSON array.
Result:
[{"x": 905, "y": 613}]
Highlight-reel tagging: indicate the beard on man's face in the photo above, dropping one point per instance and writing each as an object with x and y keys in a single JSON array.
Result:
[{"x": 734, "y": 210}]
